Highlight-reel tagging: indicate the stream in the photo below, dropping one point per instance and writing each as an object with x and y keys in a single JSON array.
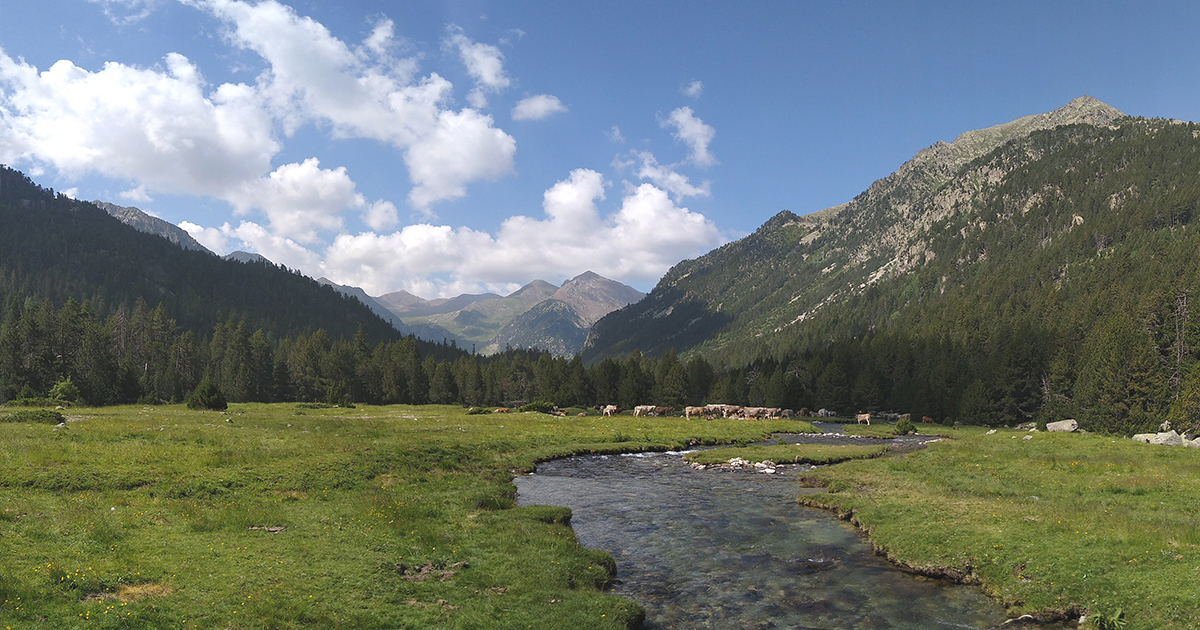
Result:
[{"x": 733, "y": 549}]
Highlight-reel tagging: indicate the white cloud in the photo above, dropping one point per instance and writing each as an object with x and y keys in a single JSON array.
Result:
[
  {"x": 381, "y": 215},
  {"x": 639, "y": 242},
  {"x": 153, "y": 126},
  {"x": 138, "y": 194},
  {"x": 537, "y": 107},
  {"x": 72, "y": 192},
  {"x": 123, "y": 12},
  {"x": 314, "y": 77},
  {"x": 299, "y": 199},
  {"x": 214, "y": 239},
  {"x": 484, "y": 62},
  {"x": 461, "y": 148},
  {"x": 614, "y": 135},
  {"x": 693, "y": 132},
  {"x": 664, "y": 176},
  {"x": 693, "y": 89}
]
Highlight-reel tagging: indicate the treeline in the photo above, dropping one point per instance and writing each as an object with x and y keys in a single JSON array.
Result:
[{"x": 1121, "y": 378}]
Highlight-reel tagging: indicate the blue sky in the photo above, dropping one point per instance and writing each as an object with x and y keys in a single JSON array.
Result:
[{"x": 447, "y": 147}]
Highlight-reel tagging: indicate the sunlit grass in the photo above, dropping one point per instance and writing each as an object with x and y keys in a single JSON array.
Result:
[
  {"x": 141, "y": 517},
  {"x": 1058, "y": 522}
]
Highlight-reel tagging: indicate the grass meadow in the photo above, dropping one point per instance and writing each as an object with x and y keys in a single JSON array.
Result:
[
  {"x": 278, "y": 516},
  {"x": 1065, "y": 523},
  {"x": 818, "y": 454}
]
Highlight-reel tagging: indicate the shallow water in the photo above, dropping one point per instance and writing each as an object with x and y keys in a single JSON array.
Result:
[{"x": 720, "y": 549}]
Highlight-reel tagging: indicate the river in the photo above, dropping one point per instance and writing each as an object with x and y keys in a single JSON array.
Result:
[{"x": 720, "y": 549}]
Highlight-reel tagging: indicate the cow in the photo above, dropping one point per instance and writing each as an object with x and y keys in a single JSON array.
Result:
[
  {"x": 773, "y": 412},
  {"x": 611, "y": 410},
  {"x": 926, "y": 419},
  {"x": 500, "y": 410},
  {"x": 786, "y": 414},
  {"x": 643, "y": 410},
  {"x": 804, "y": 413},
  {"x": 662, "y": 411},
  {"x": 713, "y": 411},
  {"x": 733, "y": 411},
  {"x": 863, "y": 418},
  {"x": 688, "y": 412}
]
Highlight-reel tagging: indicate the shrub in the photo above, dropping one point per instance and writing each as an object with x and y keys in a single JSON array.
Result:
[
  {"x": 208, "y": 395},
  {"x": 36, "y": 402},
  {"x": 539, "y": 406},
  {"x": 65, "y": 390},
  {"x": 475, "y": 411},
  {"x": 47, "y": 416},
  {"x": 904, "y": 426}
]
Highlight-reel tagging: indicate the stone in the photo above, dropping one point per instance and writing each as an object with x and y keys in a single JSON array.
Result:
[
  {"x": 1027, "y": 437},
  {"x": 1143, "y": 437},
  {"x": 1064, "y": 426},
  {"x": 1192, "y": 443},
  {"x": 1165, "y": 426},
  {"x": 1170, "y": 438},
  {"x": 992, "y": 432}
]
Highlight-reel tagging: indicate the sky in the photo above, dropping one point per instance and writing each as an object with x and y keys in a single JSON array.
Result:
[{"x": 468, "y": 146}]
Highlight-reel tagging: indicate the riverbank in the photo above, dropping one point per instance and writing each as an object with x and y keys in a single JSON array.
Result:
[
  {"x": 1054, "y": 526},
  {"x": 281, "y": 516}
]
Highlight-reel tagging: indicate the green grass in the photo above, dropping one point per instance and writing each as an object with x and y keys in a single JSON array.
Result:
[
  {"x": 788, "y": 454},
  {"x": 140, "y": 517},
  {"x": 1059, "y": 523}
]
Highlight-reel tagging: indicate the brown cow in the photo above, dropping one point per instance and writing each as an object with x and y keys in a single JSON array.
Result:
[
  {"x": 501, "y": 410},
  {"x": 863, "y": 418},
  {"x": 926, "y": 419},
  {"x": 662, "y": 411}
]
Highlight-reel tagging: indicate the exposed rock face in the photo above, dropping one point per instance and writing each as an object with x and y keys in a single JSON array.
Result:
[
  {"x": 143, "y": 222},
  {"x": 1066, "y": 426},
  {"x": 593, "y": 296},
  {"x": 1170, "y": 438}
]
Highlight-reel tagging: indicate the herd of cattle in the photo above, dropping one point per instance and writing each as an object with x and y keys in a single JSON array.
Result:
[{"x": 707, "y": 411}]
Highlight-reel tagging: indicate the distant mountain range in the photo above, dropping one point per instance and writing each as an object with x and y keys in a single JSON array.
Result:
[{"x": 538, "y": 315}]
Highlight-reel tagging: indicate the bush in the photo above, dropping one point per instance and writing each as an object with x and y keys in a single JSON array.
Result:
[
  {"x": 65, "y": 390},
  {"x": 208, "y": 396},
  {"x": 904, "y": 426},
  {"x": 47, "y": 416},
  {"x": 475, "y": 411},
  {"x": 539, "y": 406}
]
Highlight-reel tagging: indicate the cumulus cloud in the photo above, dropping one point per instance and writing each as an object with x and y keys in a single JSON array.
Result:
[
  {"x": 299, "y": 199},
  {"x": 693, "y": 89},
  {"x": 484, "y": 62},
  {"x": 365, "y": 93},
  {"x": 214, "y": 239},
  {"x": 614, "y": 135},
  {"x": 638, "y": 242},
  {"x": 153, "y": 126},
  {"x": 692, "y": 131},
  {"x": 537, "y": 107},
  {"x": 123, "y": 12},
  {"x": 138, "y": 194},
  {"x": 663, "y": 176}
]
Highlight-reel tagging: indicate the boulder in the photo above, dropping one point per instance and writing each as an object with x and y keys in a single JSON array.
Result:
[
  {"x": 1165, "y": 426},
  {"x": 1170, "y": 438},
  {"x": 1065, "y": 426},
  {"x": 1192, "y": 443},
  {"x": 1144, "y": 437}
]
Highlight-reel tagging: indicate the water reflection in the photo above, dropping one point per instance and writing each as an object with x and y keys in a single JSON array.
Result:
[{"x": 712, "y": 549}]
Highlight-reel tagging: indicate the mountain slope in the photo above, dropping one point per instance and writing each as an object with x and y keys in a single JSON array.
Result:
[
  {"x": 59, "y": 248},
  {"x": 428, "y": 332},
  {"x": 746, "y": 298},
  {"x": 143, "y": 222}
]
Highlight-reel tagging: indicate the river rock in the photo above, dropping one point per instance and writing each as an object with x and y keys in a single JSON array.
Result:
[{"x": 1065, "y": 426}]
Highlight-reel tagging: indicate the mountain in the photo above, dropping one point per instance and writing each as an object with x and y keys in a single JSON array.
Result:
[
  {"x": 422, "y": 331},
  {"x": 560, "y": 323},
  {"x": 247, "y": 257},
  {"x": 405, "y": 303},
  {"x": 747, "y": 298},
  {"x": 538, "y": 315},
  {"x": 1043, "y": 269},
  {"x": 143, "y": 222},
  {"x": 55, "y": 247}
]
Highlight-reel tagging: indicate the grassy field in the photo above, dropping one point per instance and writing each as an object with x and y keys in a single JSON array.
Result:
[
  {"x": 1058, "y": 523},
  {"x": 391, "y": 517},
  {"x": 788, "y": 454}
]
